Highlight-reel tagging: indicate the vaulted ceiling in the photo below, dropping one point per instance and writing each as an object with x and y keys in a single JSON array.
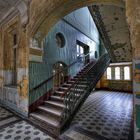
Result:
[
  {"x": 111, "y": 22},
  {"x": 6, "y": 6}
]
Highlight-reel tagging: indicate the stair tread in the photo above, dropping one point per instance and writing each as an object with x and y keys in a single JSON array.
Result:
[
  {"x": 57, "y": 97},
  {"x": 61, "y": 98},
  {"x": 61, "y": 92},
  {"x": 65, "y": 88},
  {"x": 66, "y": 84},
  {"x": 51, "y": 110},
  {"x": 60, "y": 104},
  {"x": 47, "y": 119},
  {"x": 73, "y": 89}
]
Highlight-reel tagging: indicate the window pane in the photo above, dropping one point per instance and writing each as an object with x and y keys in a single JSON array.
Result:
[
  {"x": 126, "y": 73},
  {"x": 108, "y": 73},
  {"x": 117, "y": 73},
  {"x": 77, "y": 48},
  {"x": 81, "y": 50}
]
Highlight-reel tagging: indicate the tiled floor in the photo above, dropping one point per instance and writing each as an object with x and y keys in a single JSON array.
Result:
[
  {"x": 106, "y": 114},
  {"x": 15, "y": 128}
]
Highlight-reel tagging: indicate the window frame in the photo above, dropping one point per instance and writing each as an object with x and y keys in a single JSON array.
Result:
[
  {"x": 117, "y": 74},
  {"x": 110, "y": 73},
  {"x": 129, "y": 73}
]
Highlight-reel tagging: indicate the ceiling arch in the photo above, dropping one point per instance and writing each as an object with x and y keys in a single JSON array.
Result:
[{"x": 42, "y": 18}]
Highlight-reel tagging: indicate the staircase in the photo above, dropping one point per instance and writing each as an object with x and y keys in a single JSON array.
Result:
[{"x": 56, "y": 111}]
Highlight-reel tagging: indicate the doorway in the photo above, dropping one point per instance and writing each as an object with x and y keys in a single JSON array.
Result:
[
  {"x": 60, "y": 74},
  {"x": 83, "y": 52}
]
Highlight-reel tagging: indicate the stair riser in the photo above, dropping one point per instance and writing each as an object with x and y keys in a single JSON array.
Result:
[
  {"x": 44, "y": 112},
  {"x": 57, "y": 99},
  {"x": 66, "y": 86},
  {"x": 59, "y": 94},
  {"x": 52, "y": 105},
  {"x": 75, "y": 78},
  {"x": 54, "y": 131}
]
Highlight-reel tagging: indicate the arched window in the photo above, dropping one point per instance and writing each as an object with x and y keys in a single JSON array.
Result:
[
  {"x": 126, "y": 73},
  {"x": 117, "y": 73},
  {"x": 109, "y": 73}
]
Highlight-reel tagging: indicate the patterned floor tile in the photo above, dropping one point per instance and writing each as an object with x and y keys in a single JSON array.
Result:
[
  {"x": 13, "y": 127},
  {"x": 109, "y": 114},
  {"x": 22, "y": 131},
  {"x": 4, "y": 113}
]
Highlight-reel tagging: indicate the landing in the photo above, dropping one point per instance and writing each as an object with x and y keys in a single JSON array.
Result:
[{"x": 104, "y": 115}]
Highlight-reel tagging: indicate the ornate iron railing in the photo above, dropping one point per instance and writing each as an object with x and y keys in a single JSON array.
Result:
[
  {"x": 42, "y": 87},
  {"x": 79, "y": 91}
]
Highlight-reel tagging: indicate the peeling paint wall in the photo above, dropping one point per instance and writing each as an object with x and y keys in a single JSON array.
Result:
[
  {"x": 117, "y": 30},
  {"x": 14, "y": 95},
  {"x": 133, "y": 18},
  {"x": 52, "y": 53}
]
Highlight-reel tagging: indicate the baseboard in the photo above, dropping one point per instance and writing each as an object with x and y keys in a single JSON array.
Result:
[{"x": 108, "y": 89}]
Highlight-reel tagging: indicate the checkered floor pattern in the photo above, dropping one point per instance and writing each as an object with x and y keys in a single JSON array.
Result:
[
  {"x": 4, "y": 113},
  {"x": 13, "y": 127},
  {"x": 109, "y": 114}
]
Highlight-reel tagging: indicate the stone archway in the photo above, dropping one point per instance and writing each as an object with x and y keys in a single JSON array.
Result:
[{"x": 48, "y": 13}]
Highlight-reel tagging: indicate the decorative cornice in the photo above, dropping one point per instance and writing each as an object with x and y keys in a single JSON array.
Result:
[{"x": 21, "y": 9}]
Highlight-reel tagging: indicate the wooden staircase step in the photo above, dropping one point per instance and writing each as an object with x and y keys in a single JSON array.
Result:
[
  {"x": 45, "y": 119},
  {"x": 82, "y": 82},
  {"x": 81, "y": 85},
  {"x": 55, "y": 104},
  {"x": 50, "y": 110},
  {"x": 59, "y": 92},
  {"x": 63, "y": 88},
  {"x": 75, "y": 78},
  {"x": 50, "y": 115},
  {"x": 79, "y": 90},
  {"x": 71, "y": 82},
  {"x": 67, "y": 84},
  {"x": 57, "y": 98}
]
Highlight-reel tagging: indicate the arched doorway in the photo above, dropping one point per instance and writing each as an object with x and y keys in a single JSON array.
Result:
[{"x": 60, "y": 74}]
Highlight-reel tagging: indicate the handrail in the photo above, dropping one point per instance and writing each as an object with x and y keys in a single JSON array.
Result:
[
  {"x": 82, "y": 75},
  {"x": 70, "y": 99},
  {"x": 50, "y": 78}
]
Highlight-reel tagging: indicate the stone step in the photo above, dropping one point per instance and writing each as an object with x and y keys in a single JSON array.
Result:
[
  {"x": 82, "y": 82},
  {"x": 76, "y": 78},
  {"x": 71, "y": 82},
  {"x": 57, "y": 98},
  {"x": 59, "y": 92},
  {"x": 45, "y": 119},
  {"x": 56, "y": 104},
  {"x": 50, "y": 110},
  {"x": 66, "y": 85},
  {"x": 76, "y": 90},
  {"x": 63, "y": 88}
]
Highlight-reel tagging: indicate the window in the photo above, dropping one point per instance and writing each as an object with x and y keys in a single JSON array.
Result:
[
  {"x": 80, "y": 50},
  {"x": 126, "y": 73},
  {"x": 96, "y": 54},
  {"x": 117, "y": 73},
  {"x": 109, "y": 73},
  {"x": 60, "y": 40}
]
